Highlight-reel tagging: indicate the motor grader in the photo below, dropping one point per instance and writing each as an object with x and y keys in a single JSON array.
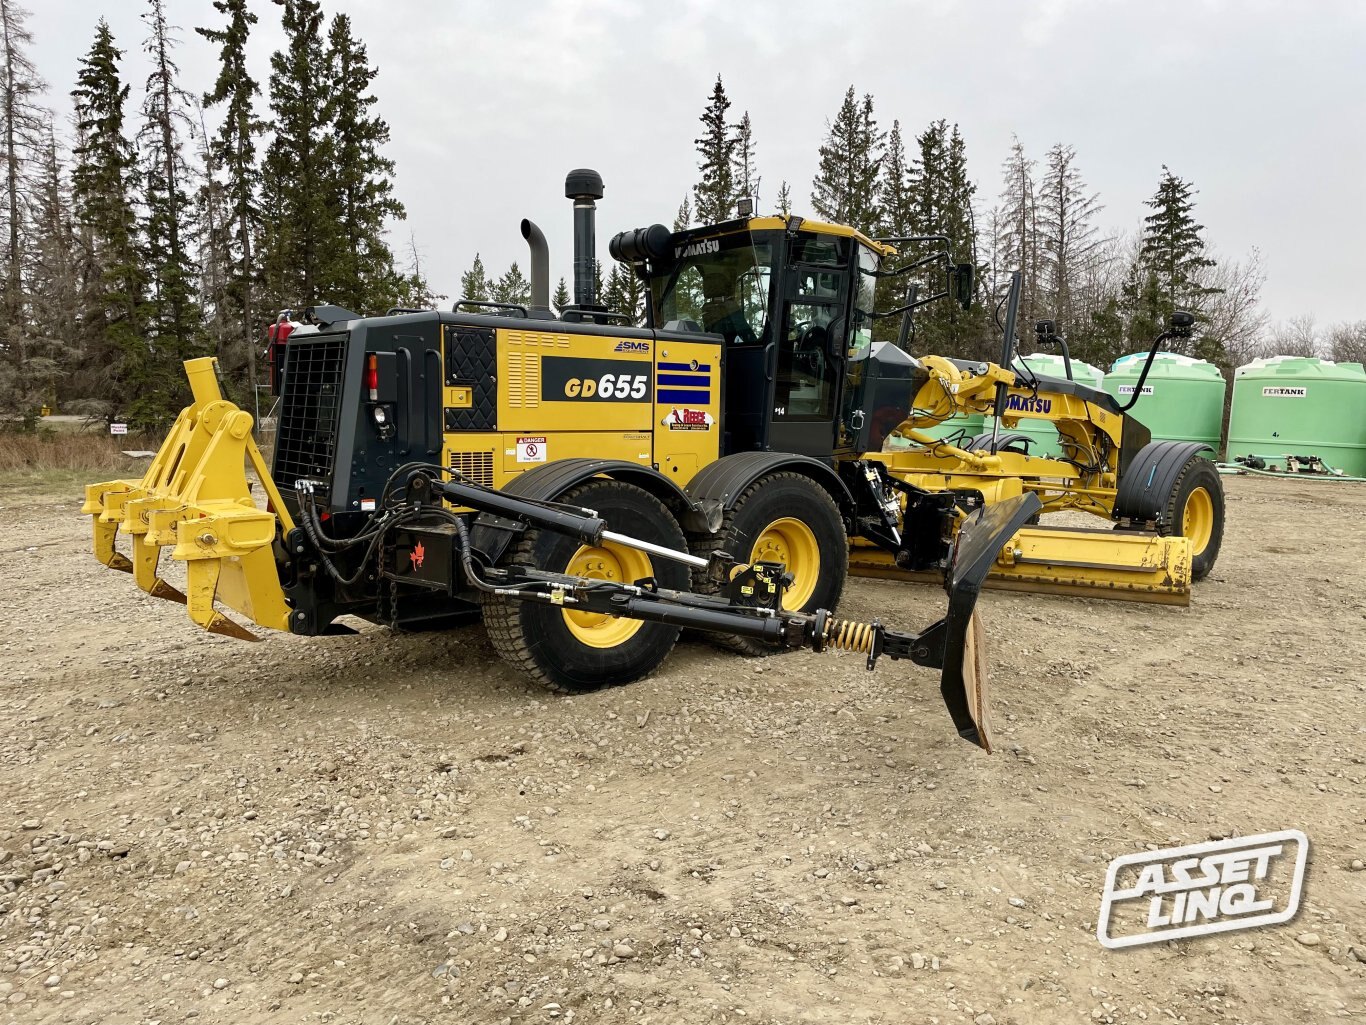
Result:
[{"x": 590, "y": 488}]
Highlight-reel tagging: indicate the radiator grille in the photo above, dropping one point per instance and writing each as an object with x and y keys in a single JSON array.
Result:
[
  {"x": 476, "y": 467},
  {"x": 306, "y": 438}
]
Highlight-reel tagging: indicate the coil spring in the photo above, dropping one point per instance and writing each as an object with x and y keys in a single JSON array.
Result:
[{"x": 850, "y": 636}]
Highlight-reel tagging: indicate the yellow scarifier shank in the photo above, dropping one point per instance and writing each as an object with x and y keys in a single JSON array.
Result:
[{"x": 195, "y": 499}]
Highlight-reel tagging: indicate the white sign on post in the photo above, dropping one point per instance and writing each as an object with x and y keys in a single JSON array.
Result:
[{"x": 118, "y": 428}]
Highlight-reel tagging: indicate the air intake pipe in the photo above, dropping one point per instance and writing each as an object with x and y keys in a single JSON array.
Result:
[
  {"x": 584, "y": 187},
  {"x": 540, "y": 266}
]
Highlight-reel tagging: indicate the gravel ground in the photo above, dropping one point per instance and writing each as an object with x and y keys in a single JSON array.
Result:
[{"x": 399, "y": 829}]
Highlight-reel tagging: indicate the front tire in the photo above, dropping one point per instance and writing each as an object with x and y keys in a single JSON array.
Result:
[
  {"x": 1195, "y": 509},
  {"x": 571, "y": 651},
  {"x": 787, "y": 518}
]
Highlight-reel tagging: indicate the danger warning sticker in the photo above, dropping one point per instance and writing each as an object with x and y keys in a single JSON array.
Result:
[{"x": 531, "y": 450}]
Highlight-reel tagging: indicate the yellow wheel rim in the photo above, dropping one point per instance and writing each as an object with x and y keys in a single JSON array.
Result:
[
  {"x": 791, "y": 542},
  {"x": 1197, "y": 522},
  {"x": 608, "y": 562}
]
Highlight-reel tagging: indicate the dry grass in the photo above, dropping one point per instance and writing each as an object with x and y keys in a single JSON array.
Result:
[{"x": 59, "y": 457}]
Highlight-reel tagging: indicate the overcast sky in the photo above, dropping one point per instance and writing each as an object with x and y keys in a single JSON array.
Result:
[{"x": 1261, "y": 104}]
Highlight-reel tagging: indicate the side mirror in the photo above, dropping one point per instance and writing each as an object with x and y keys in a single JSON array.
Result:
[{"x": 963, "y": 275}]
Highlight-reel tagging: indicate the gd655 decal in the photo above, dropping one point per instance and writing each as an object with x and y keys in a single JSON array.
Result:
[{"x": 570, "y": 379}]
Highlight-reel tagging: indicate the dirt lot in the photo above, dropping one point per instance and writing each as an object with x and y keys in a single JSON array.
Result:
[{"x": 400, "y": 829}]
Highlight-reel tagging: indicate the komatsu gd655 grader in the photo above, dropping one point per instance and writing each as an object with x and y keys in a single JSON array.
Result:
[{"x": 589, "y": 488}]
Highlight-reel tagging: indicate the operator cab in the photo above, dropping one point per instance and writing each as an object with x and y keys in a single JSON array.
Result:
[{"x": 794, "y": 301}]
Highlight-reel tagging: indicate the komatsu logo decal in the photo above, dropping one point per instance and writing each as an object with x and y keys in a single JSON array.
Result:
[
  {"x": 697, "y": 248},
  {"x": 1029, "y": 404},
  {"x": 632, "y": 347}
]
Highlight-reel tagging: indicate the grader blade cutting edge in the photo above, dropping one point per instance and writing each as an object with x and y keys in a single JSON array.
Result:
[{"x": 195, "y": 500}]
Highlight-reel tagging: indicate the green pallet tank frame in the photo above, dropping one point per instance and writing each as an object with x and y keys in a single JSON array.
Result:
[{"x": 1300, "y": 405}]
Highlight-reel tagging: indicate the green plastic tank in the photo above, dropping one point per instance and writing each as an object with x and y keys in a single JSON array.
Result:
[
  {"x": 1043, "y": 435},
  {"x": 1182, "y": 400},
  {"x": 1301, "y": 406}
]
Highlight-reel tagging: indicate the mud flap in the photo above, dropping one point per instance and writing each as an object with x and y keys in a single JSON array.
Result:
[{"x": 956, "y": 644}]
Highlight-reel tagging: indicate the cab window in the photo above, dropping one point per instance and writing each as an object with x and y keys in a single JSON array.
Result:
[
  {"x": 724, "y": 291},
  {"x": 804, "y": 387}
]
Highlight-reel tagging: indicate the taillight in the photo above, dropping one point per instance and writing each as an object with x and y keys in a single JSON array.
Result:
[{"x": 372, "y": 376}]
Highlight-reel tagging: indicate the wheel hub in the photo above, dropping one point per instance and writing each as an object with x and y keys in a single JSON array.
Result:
[
  {"x": 618, "y": 564},
  {"x": 791, "y": 542}
]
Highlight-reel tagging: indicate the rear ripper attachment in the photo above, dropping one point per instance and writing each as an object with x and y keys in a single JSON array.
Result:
[
  {"x": 418, "y": 544},
  {"x": 195, "y": 500}
]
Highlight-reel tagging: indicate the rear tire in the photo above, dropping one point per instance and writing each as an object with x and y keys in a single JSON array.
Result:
[
  {"x": 1195, "y": 509},
  {"x": 574, "y": 652},
  {"x": 784, "y": 517}
]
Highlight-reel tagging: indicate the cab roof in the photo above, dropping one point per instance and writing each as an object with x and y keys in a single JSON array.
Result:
[{"x": 777, "y": 223}]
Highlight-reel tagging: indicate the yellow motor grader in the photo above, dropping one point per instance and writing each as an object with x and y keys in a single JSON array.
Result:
[{"x": 588, "y": 488}]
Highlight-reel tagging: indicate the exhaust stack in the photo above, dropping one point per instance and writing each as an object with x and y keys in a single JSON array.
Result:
[
  {"x": 540, "y": 266},
  {"x": 584, "y": 187}
]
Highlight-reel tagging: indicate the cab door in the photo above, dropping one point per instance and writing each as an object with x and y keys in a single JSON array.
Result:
[{"x": 811, "y": 342}]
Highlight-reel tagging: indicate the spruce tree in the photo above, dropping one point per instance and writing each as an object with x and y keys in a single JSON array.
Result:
[
  {"x": 360, "y": 272},
  {"x": 232, "y": 152},
  {"x": 715, "y": 190},
  {"x": 633, "y": 291},
  {"x": 613, "y": 292},
  {"x": 895, "y": 195},
  {"x": 784, "y": 199},
  {"x": 103, "y": 183},
  {"x": 744, "y": 162},
  {"x": 1173, "y": 245},
  {"x": 299, "y": 229},
  {"x": 1170, "y": 269},
  {"x": 561, "y": 297},
  {"x": 683, "y": 219},
  {"x": 173, "y": 316},
  {"x": 512, "y": 287},
  {"x": 941, "y": 203},
  {"x": 845, "y": 189},
  {"x": 474, "y": 283}
]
